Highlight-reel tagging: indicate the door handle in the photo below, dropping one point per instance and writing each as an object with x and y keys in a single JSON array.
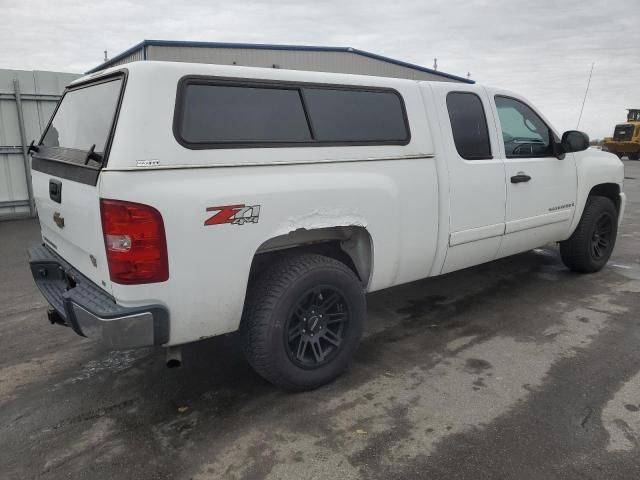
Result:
[
  {"x": 520, "y": 178},
  {"x": 55, "y": 190}
]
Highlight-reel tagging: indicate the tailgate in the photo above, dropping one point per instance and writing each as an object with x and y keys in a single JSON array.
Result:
[
  {"x": 66, "y": 166},
  {"x": 72, "y": 227}
]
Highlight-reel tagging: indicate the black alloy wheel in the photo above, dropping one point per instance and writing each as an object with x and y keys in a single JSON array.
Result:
[
  {"x": 316, "y": 327},
  {"x": 303, "y": 320},
  {"x": 601, "y": 238},
  {"x": 592, "y": 242}
]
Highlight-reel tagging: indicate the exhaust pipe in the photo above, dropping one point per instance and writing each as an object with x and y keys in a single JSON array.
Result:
[{"x": 174, "y": 357}]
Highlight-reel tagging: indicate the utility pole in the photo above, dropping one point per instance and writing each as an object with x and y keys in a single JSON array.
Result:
[
  {"x": 105, "y": 56},
  {"x": 435, "y": 64}
]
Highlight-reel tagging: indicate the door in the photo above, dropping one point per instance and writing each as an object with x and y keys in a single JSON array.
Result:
[
  {"x": 541, "y": 189},
  {"x": 477, "y": 194}
]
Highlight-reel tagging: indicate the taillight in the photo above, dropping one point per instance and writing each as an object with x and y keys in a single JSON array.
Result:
[{"x": 135, "y": 242}]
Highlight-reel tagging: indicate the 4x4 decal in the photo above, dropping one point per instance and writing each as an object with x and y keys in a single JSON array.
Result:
[{"x": 234, "y": 214}]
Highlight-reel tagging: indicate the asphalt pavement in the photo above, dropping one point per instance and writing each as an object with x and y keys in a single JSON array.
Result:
[{"x": 514, "y": 369}]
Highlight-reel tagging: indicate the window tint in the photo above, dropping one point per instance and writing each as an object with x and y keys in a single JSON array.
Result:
[
  {"x": 469, "y": 125},
  {"x": 355, "y": 116},
  {"x": 212, "y": 115},
  {"x": 523, "y": 131},
  {"x": 220, "y": 113},
  {"x": 84, "y": 117}
]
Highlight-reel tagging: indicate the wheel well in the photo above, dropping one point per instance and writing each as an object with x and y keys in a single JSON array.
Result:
[
  {"x": 609, "y": 190},
  {"x": 349, "y": 245}
]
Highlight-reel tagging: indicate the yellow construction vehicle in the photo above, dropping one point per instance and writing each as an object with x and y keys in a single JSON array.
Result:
[{"x": 626, "y": 137}]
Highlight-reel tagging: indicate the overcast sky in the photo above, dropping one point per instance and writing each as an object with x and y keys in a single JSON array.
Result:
[{"x": 542, "y": 49}]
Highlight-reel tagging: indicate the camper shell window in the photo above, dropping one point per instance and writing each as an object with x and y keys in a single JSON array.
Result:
[{"x": 219, "y": 113}]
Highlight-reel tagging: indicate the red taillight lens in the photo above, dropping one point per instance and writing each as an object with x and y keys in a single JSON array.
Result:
[{"x": 135, "y": 242}]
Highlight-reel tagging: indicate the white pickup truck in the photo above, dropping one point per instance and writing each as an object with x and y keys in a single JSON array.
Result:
[{"x": 181, "y": 201}]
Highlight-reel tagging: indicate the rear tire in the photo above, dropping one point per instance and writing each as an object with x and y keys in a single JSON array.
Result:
[
  {"x": 591, "y": 244},
  {"x": 303, "y": 321}
]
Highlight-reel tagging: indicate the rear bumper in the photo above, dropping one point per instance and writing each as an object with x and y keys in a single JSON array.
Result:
[{"x": 90, "y": 311}]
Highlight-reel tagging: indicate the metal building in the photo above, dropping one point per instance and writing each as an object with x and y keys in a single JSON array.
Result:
[
  {"x": 27, "y": 100},
  {"x": 293, "y": 57}
]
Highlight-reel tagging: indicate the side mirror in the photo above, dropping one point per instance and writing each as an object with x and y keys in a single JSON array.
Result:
[{"x": 574, "y": 141}]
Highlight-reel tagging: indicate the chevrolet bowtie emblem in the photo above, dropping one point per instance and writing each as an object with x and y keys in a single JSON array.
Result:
[{"x": 59, "y": 219}]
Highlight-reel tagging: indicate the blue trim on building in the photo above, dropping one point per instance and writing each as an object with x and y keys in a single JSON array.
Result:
[{"x": 264, "y": 46}]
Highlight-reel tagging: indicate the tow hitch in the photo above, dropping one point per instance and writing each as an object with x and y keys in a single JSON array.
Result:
[{"x": 55, "y": 318}]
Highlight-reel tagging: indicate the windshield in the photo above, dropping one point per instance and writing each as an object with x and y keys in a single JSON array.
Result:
[{"x": 84, "y": 117}]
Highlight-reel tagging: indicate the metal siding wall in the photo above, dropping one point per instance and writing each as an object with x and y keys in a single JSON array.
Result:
[
  {"x": 136, "y": 56},
  {"x": 40, "y": 92},
  {"x": 337, "y": 62}
]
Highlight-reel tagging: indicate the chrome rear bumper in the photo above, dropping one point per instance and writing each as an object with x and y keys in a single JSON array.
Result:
[{"x": 90, "y": 311}]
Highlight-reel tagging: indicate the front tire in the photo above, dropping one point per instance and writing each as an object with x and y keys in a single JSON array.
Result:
[
  {"x": 591, "y": 244},
  {"x": 303, "y": 321},
  {"x": 634, "y": 156}
]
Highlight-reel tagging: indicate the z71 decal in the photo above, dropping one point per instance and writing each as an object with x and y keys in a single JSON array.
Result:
[{"x": 234, "y": 214}]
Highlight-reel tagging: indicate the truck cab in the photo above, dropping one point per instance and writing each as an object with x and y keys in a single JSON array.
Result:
[{"x": 182, "y": 201}]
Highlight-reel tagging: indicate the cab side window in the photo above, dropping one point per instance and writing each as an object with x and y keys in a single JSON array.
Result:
[
  {"x": 523, "y": 131},
  {"x": 469, "y": 126}
]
